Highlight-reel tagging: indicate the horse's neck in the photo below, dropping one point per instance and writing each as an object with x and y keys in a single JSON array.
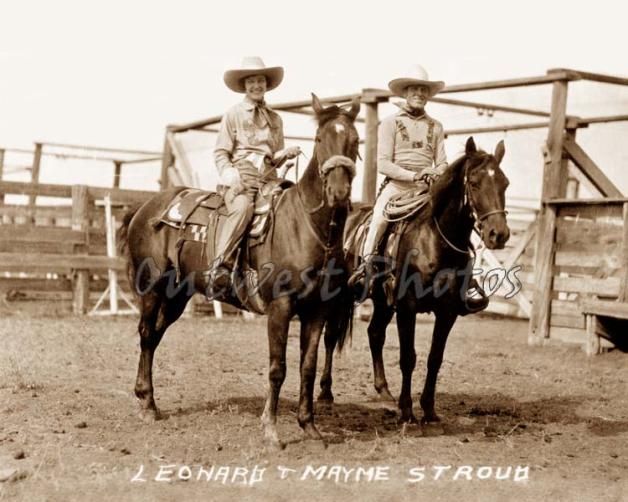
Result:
[
  {"x": 310, "y": 185},
  {"x": 454, "y": 218},
  {"x": 310, "y": 188}
]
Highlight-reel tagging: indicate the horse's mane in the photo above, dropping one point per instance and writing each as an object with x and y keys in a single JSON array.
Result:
[{"x": 449, "y": 180}]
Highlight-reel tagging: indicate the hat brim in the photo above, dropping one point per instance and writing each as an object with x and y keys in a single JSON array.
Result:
[
  {"x": 234, "y": 79},
  {"x": 399, "y": 85}
]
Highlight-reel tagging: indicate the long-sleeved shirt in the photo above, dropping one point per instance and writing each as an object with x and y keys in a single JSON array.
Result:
[
  {"x": 246, "y": 134},
  {"x": 407, "y": 145}
]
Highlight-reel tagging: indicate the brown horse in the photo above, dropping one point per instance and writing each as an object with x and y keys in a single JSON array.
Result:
[
  {"x": 305, "y": 238},
  {"x": 432, "y": 272}
]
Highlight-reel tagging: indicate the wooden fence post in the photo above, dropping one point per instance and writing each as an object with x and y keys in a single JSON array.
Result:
[
  {"x": 572, "y": 189},
  {"x": 554, "y": 186},
  {"x": 1, "y": 172},
  {"x": 80, "y": 221},
  {"x": 117, "y": 173},
  {"x": 166, "y": 162},
  {"x": 369, "y": 177},
  {"x": 623, "y": 285},
  {"x": 35, "y": 172}
]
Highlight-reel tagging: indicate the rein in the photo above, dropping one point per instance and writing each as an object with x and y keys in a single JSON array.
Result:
[
  {"x": 328, "y": 247},
  {"x": 451, "y": 244}
]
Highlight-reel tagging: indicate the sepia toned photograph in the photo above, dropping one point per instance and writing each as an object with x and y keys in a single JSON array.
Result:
[{"x": 382, "y": 249}]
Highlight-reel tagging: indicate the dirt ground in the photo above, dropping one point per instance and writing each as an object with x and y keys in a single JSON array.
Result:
[{"x": 67, "y": 407}]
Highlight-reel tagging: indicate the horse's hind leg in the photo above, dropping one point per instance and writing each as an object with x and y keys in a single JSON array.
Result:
[
  {"x": 337, "y": 328},
  {"x": 382, "y": 314},
  {"x": 157, "y": 313},
  {"x": 442, "y": 326},
  {"x": 326, "y": 395}
]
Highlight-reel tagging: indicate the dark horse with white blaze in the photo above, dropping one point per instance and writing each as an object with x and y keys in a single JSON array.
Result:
[
  {"x": 306, "y": 236},
  {"x": 432, "y": 271}
]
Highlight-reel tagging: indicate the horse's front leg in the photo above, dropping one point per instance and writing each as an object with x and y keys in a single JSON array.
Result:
[
  {"x": 280, "y": 311},
  {"x": 442, "y": 326},
  {"x": 311, "y": 329},
  {"x": 406, "y": 320},
  {"x": 382, "y": 314}
]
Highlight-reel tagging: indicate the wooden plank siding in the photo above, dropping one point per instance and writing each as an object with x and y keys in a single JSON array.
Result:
[{"x": 59, "y": 251}]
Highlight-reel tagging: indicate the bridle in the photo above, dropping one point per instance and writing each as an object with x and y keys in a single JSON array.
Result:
[
  {"x": 478, "y": 219},
  {"x": 323, "y": 172}
]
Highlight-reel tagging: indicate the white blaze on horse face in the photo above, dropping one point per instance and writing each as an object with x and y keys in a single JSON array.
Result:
[
  {"x": 491, "y": 172},
  {"x": 339, "y": 128}
]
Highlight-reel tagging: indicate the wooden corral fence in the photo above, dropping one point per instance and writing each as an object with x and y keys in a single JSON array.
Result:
[
  {"x": 117, "y": 157},
  {"x": 59, "y": 251},
  {"x": 582, "y": 245},
  {"x": 588, "y": 261}
]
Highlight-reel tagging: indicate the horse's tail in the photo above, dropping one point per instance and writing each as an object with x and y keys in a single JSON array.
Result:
[
  {"x": 122, "y": 235},
  {"x": 340, "y": 324}
]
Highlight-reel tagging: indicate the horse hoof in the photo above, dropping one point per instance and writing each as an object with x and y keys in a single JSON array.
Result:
[
  {"x": 432, "y": 428},
  {"x": 150, "y": 416},
  {"x": 385, "y": 396},
  {"x": 274, "y": 445},
  {"x": 311, "y": 432},
  {"x": 325, "y": 397},
  {"x": 271, "y": 440},
  {"x": 408, "y": 420}
]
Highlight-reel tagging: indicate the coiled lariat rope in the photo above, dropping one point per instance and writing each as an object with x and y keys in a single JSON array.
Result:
[{"x": 406, "y": 204}]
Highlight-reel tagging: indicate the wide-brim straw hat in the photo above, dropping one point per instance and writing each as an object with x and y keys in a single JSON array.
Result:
[
  {"x": 253, "y": 66},
  {"x": 416, "y": 75}
]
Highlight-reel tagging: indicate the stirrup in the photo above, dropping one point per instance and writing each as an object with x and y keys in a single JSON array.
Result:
[
  {"x": 362, "y": 280},
  {"x": 358, "y": 275},
  {"x": 476, "y": 303},
  {"x": 218, "y": 280}
]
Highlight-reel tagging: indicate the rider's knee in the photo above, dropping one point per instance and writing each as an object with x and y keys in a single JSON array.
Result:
[{"x": 241, "y": 205}]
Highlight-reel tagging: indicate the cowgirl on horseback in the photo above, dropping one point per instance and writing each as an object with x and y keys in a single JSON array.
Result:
[{"x": 249, "y": 148}]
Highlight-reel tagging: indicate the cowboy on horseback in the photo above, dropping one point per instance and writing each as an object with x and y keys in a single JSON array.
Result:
[
  {"x": 411, "y": 154},
  {"x": 249, "y": 148}
]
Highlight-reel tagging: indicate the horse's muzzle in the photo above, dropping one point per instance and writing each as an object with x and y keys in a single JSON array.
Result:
[
  {"x": 495, "y": 232},
  {"x": 339, "y": 195}
]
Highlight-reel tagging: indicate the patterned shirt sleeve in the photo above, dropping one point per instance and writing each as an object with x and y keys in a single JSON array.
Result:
[
  {"x": 440, "y": 157},
  {"x": 224, "y": 148},
  {"x": 385, "y": 153},
  {"x": 280, "y": 138}
]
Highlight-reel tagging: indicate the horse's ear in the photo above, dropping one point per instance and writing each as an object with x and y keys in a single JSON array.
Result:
[
  {"x": 500, "y": 150},
  {"x": 316, "y": 104},
  {"x": 470, "y": 147},
  {"x": 355, "y": 108}
]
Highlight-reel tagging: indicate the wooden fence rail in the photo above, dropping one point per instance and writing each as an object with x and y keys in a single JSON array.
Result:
[{"x": 59, "y": 250}]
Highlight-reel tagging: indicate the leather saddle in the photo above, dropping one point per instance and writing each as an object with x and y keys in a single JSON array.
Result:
[
  {"x": 199, "y": 216},
  {"x": 387, "y": 247}
]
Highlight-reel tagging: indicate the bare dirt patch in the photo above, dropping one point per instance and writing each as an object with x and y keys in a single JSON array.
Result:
[{"x": 69, "y": 428}]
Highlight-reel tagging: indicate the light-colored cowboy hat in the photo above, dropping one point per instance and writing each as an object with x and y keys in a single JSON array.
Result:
[
  {"x": 416, "y": 75},
  {"x": 253, "y": 66}
]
